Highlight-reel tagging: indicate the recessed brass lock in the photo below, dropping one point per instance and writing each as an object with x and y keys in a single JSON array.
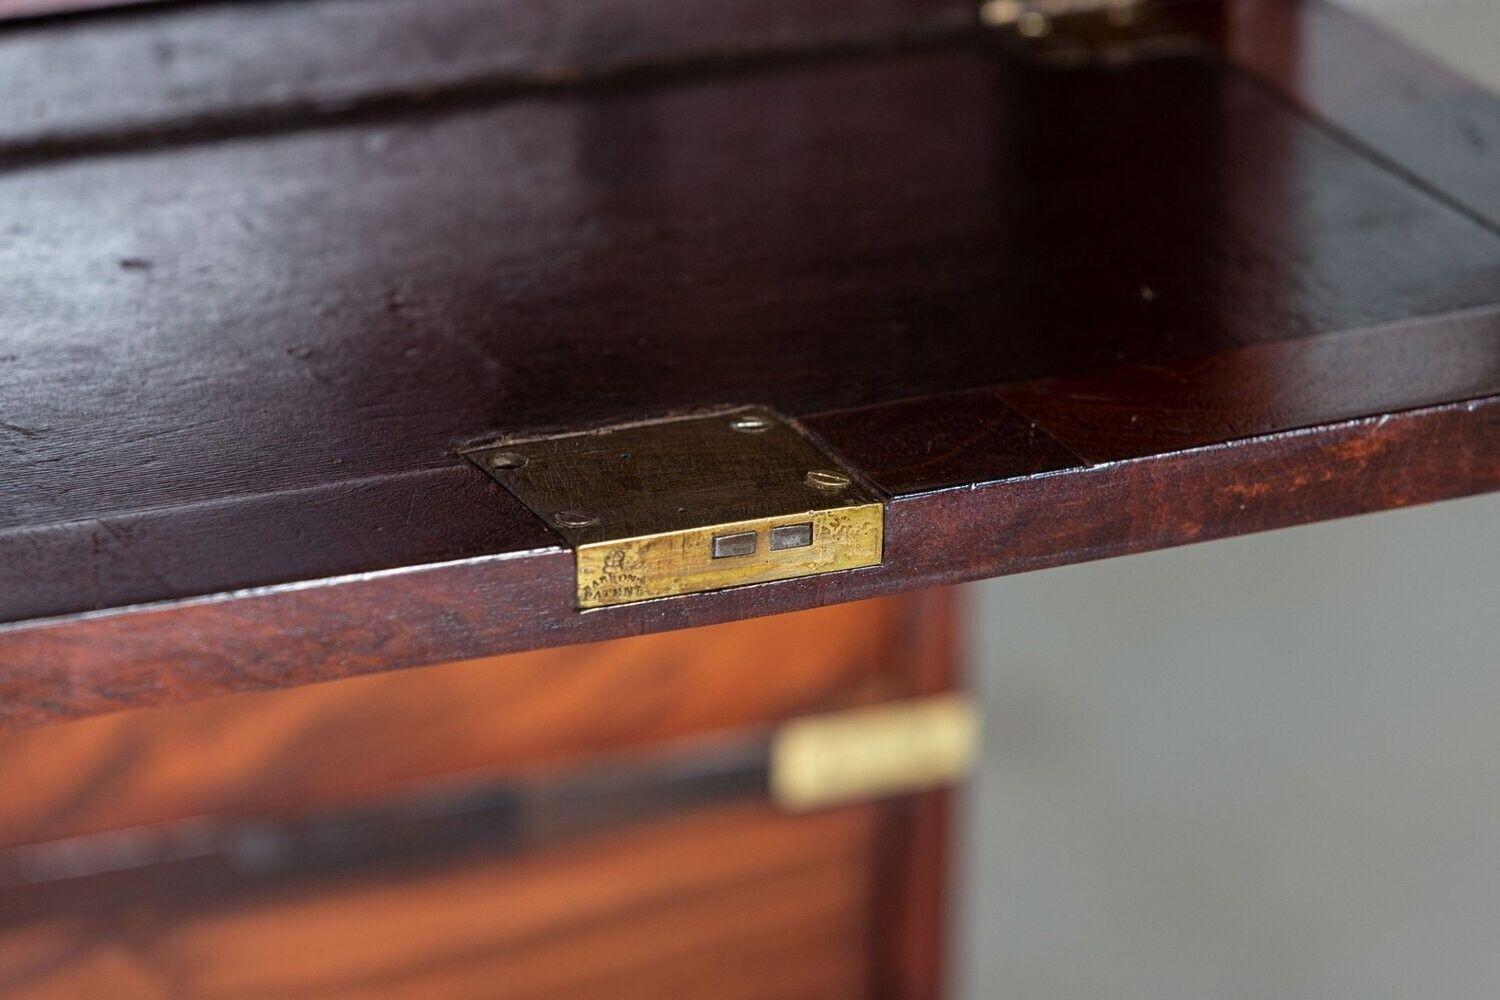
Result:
[{"x": 690, "y": 504}]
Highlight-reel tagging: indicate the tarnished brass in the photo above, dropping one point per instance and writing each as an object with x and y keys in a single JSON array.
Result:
[
  {"x": 827, "y": 760},
  {"x": 1075, "y": 31},
  {"x": 690, "y": 504}
]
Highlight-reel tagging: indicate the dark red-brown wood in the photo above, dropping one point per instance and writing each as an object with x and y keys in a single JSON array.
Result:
[
  {"x": 372, "y": 738},
  {"x": 1058, "y": 313},
  {"x": 182, "y": 71},
  {"x": 911, "y": 894},
  {"x": 1139, "y": 410},
  {"x": 723, "y": 897}
]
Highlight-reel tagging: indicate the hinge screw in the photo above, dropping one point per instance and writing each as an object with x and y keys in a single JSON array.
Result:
[
  {"x": 507, "y": 460},
  {"x": 573, "y": 519},
  {"x": 1034, "y": 24},
  {"x": 750, "y": 424},
  {"x": 827, "y": 480},
  {"x": 1017, "y": 13}
]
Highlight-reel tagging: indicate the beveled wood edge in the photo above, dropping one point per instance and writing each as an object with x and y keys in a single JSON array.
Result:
[{"x": 282, "y": 636}]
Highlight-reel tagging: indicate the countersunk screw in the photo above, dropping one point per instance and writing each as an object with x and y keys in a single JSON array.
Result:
[
  {"x": 750, "y": 424},
  {"x": 573, "y": 519},
  {"x": 1034, "y": 24},
  {"x": 507, "y": 460},
  {"x": 827, "y": 480}
]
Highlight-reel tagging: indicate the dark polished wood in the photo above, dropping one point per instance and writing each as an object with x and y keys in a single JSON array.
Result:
[
  {"x": 199, "y": 649},
  {"x": 937, "y": 442},
  {"x": 1139, "y": 410},
  {"x": 185, "y": 71},
  {"x": 235, "y": 362},
  {"x": 265, "y": 268},
  {"x": 726, "y": 898}
]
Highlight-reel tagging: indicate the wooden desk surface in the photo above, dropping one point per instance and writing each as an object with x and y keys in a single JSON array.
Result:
[{"x": 255, "y": 299}]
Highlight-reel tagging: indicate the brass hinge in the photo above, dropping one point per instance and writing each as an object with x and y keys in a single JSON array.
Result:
[
  {"x": 1075, "y": 30},
  {"x": 1037, "y": 18},
  {"x": 677, "y": 506},
  {"x": 827, "y": 760}
]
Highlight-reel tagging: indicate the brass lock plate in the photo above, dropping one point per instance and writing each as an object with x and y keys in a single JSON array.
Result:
[{"x": 689, "y": 504}]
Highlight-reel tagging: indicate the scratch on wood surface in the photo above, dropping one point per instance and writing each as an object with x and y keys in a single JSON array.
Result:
[{"x": 29, "y": 433}]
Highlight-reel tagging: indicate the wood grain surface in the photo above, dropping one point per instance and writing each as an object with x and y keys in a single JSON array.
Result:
[
  {"x": 361, "y": 738},
  {"x": 1137, "y": 410},
  {"x": 181, "y": 72},
  {"x": 913, "y": 902},
  {"x": 732, "y": 900},
  {"x": 1026, "y": 300}
]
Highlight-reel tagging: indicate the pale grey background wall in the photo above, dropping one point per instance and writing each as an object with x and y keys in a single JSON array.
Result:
[
  {"x": 1259, "y": 769},
  {"x": 1463, "y": 33}
]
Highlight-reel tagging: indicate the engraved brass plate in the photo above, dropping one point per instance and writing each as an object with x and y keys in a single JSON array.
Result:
[
  {"x": 691, "y": 504},
  {"x": 828, "y": 760}
]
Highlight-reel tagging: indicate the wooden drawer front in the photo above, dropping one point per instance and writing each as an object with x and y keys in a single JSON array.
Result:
[
  {"x": 353, "y": 739},
  {"x": 736, "y": 901},
  {"x": 714, "y": 895}
]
